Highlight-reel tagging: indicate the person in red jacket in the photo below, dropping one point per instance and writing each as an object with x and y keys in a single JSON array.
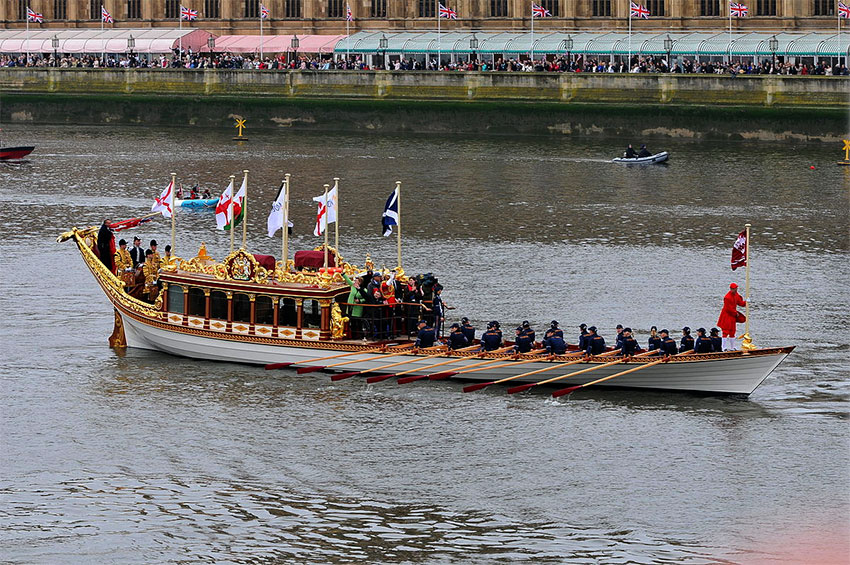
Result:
[{"x": 729, "y": 316}]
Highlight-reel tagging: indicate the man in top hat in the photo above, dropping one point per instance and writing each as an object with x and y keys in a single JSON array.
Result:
[
  {"x": 137, "y": 253},
  {"x": 728, "y": 319},
  {"x": 467, "y": 329},
  {"x": 595, "y": 343},
  {"x": 668, "y": 344},
  {"x": 702, "y": 343},
  {"x": 716, "y": 341},
  {"x": 687, "y": 343},
  {"x": 426, "y": 336},
  {"x": 456, "y": 338},
  {"x": 492, "y": 338}
]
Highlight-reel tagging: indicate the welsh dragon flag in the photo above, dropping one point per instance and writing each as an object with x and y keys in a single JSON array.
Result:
[{"x": 222, "y": 209}]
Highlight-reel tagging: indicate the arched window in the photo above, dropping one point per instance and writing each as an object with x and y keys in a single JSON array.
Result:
[
  {"x": 197, "y": 302},
  {"x": 288, "y": 315},
  {"x": 264, "y": 311},
  {"x": 241, "y": 308},
  {"x": 312, "y": 316},
  {"x": 218, "y": 305},
  {"x": 175, "y": 299}
]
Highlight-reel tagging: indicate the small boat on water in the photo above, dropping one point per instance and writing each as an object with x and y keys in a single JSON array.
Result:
[
  {"x": 650, "y": 160},
  {"x": 196, "y": 202},
  {"x": 15, "y": 153},
  {"x": 252, "y": 309}
]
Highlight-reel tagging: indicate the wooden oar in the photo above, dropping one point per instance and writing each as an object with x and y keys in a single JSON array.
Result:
[
  {"x": 570, "y": 390},
  {"x": 406, "y": 380},
  {"x": 447, "y": 374},
  {"x": 521, "y": 388},
  {"x": 302, "y": 370},
  {"x": 341, "y": 376},
  {"x": 379, "y": 378},
  {"x": 479, "y": 386},
  {"x": 272, "y": 366},
  {"x": 504, "y": 363}
]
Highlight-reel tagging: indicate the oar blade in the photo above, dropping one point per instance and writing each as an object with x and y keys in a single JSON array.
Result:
[
  {"x": 302, "y": 370},
  {"x": 565, "y": 391},
  {"x": 520, "y": 388},
  {"x": 441, "y": 376},
  {"x": 379, "y": 378},
  {"x": 414, "y": 378},
  {"x": 477, "y": 386},
  {"x": 273, "y": 366},
  {"x": 342, "y": 376}
]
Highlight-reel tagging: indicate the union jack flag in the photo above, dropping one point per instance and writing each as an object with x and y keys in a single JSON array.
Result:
[
  {"x": 34, "y": 16},
  {"x": 737, "y": 10},
  {"x": 348, "y": 15},
  {"x": 104, "y": 15},
  {"x": 843, "y": 10},
  {"x": 447, "y": 13},
  {"x": 264, "y": 12},
  {"x": 187, "y": 14},
  {"x": 539, "y": 11},
  {"x": 638, "y": 11}
]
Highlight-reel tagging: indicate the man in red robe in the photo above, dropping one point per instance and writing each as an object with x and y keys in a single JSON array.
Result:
[{"x": 729, "y": 316}]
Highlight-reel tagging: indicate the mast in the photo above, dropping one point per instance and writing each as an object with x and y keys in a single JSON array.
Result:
[
  {"x": 325, "y": 221},
  {"x": 747, "y": 284},
  {"x": 230, "y": 212},
  {"x": 398, "y": 223},
  {"x": 245, "y": 210},
  {"x": 285, "y": 250},
  {"x": 336, "y": 220},
  {"x": 173, "y": 210}
]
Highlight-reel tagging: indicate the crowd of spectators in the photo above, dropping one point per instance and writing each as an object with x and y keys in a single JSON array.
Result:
[{"x": 578, "y": 64}]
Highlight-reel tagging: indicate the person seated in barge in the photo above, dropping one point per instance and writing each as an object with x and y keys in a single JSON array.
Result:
[
  {"x": 716, "y": 340},
  {"x": 523, "y": 341},
  {"x": 595, "y": 343},
  {"x": 630, "y": 152},
  {"x": 654, "y": 341},
  {"x": 628, "y": 344},
  {"x": 702, "y": 343},
  {"x": 687, "y": 340},
  {"x": 151, "y": 273},
  {"x": 582, "y": 337},
  {"x": 426, "y": 336},
  {"x": 467, "y": 329},
  {"x": 207, "y": 195},
  {"x": 491, "y": 340},
  {"x": 456, "y": 338},
  {"x": 644, "y": 152},
  {"x": 668, "y": 344}
]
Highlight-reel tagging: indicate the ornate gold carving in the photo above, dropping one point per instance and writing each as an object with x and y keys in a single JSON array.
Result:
[
  {"x": 299, "y": 302},
  {"x": 368, "y": 263},
  {"x": 747, "y": 343},
  {"x": 207, "y": 292},
  {"x": 252, "y": 297},
  {"x": 202, "y": 253},
  {"x": 228, "y": 294},
  {"x": 324, "y": 302},
  {"x": 117, "y": 340},
  {"x": 158, "y": 304},
  {"x": 337, "y": 322}
]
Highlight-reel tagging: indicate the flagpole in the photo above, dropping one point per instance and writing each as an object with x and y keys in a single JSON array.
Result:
[
  {"x": 439, "y": 40},
  {"x": 245, "y": 210},
  {"x": 747, "y": 284},
  {"x": 261, "y": 34},
  {"x": 629, "y": 61},
  {"x": 28, "y": 35},
  {"x": 532, "y": 33},
  {"x": 398, "y": 222},
  {"x": 230, "y": 213},
  {"x": 325, "y": 221},
  {"x": 347, "y": 33},
  {"x": 729, "y": 47},
  {"x": 173, "y": 210},
  {"x": 180, "y": 48},
  {"x": 336, "y": 223},
  {"x": 103, "y": 59},
  {"x": 285, "y": 240}
]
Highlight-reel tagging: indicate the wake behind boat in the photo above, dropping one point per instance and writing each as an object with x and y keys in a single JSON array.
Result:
[{"x": 650, "y": 160}]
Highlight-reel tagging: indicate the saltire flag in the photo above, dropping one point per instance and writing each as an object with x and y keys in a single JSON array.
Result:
[
  {"x": 104, "y": 15},
  {"x": 276, "y": 215},
  {"x": 348, "y": 15},
  {"x": 165, "y": 203},
  {"x": 843, "y": 10},
  {"x": 737, "y": 10},
  {"x": 739, "y": 251},
  {"x": 264, "y": 12},
  {"x": 447, "y": 13},
  {"x": 539, "y": 11},
  {"x": 238, "y": 209},
  {"x": 390, "y": 216},
  {"x": 34, "y": 16},
  {"x": 187, "y": 14},
  {"x": 638, "y": 11},
  {"x": 222, "y": 209}
]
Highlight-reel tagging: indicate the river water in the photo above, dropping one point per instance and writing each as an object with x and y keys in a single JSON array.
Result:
[{"x": 144, "y": 457}]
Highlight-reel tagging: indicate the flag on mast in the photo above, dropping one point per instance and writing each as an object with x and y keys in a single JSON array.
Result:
[
  {"x": 539, "y": 11},
  {"x": 165, "y": 202},
  {"x": 348, "y": 15},
  {"x": 843, "y": 10},
  {"x": 639, "y": 11},
  {"x": 739, "y": 251},
  {"x": 238, "y": 209},
  {"x": 222, "y": 209},
  {"x": 187, "y": 14},
  {"x": 276, "y": 215},
  {"x": 105, "y": 16},
  {"x": 264, "y": 12},
  {"x": 447, "y": 13},
  {"x": 737, "y": 10},
  {"x": 34, "y": 16},
  {"x": 390, "y": 216},
  {"x": 321, "y": 215}
]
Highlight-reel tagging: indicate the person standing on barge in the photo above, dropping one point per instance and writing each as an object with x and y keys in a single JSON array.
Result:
[
  {"x": 728, "y": 319},
  {"x": 124, "y": 265}
]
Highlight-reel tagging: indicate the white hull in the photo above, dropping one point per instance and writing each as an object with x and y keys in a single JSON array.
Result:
[
  {"x": 657, "y": 158},
  {"x": 712, "y": 373}
]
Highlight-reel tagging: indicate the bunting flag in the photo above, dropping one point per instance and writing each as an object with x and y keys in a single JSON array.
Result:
[
  {"x": 638, "y": 11},
  {"x": 447, "y": 13},
  {"x": 165, "y": 203},
  {"x": 539, "y": 11},
  {"x": 34, "y": 16},
  {"x": 105, "y": 17},
  {"x": 737, "y": 10},
  {"x": 222, "y": 209},
  {"x": 348, "y": 15},
  {"x": 390, "y": 216},
  {"x": 276, "y": 215},
  {"x": 739, "y": 251},
  {"x": 264, "y": 12},
  {"x": 187, "y": 14},
  {"x": 843, "y": 10}
]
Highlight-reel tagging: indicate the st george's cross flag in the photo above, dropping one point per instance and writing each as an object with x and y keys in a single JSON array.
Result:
[
  {"x": 447, "y": 13},
  {"x": 843, "y": 10},
  {"x": 737, "y": 10},
  {"x": 222, "y": 209},
  {"x": 739, "y": 251},
  {"x": 34, "y": 16},
  {"x": 326, "y": 213},
  {"x": 238, "y": 208},
  {"x": 539, "y": 11},
  {"x": 390, "y": 216},
  {"x": 276, "y": 215},
  {"x": 165, "y": 203},
  {"x": 187, "y": 14},
  {"x": 105, "y": 16},
  {"x": 639, "y": 11}
]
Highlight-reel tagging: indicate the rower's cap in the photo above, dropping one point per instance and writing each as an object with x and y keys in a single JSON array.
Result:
[
  {"x": 643, "y": 146},
  {"x": 700, "y": 330},
  {"x": 455, "y": 325},
  {"x": 438, "y": 287},
  {"x": 686, "y": 329},
  {"x": 619, "y": 326},
  {"x": 664, "y": 331},
  {"x": 464, "y": 320},
  {"x": 733, "y": 285},
  {"x": 582, "y": 326},
  {"x": 525, "y": 323},
  {"x": 628, "y": 330},
  {"x": 554, "y": 323},
  {"x": 519, "y": 328},
  {"x": 137, "y": 238},
  {"x": 592, "y": 328},
  {"x": 714, "y": 331},
  {"x": 122, "y": 242},
  {"x": 420, "y": 322}
]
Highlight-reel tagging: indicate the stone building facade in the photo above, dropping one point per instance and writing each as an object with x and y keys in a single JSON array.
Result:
[{"x": 328, "y": 16}]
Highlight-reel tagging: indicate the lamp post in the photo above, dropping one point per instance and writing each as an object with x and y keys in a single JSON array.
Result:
[
  {"x": 55, "y": 43},
  {"x": 774, "y": 45},
  {"x": 568, "y": 47},
  {"x": 383, "y": 46},
  {"x": 294, "y": 45},
  {"x": 211, "y": 45},
  {"x": 668, "y": 46},
  {"x": 473, "y": 46}
]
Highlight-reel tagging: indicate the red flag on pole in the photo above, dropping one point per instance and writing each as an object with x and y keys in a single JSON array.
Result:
[{"x": 739, "y": 251}]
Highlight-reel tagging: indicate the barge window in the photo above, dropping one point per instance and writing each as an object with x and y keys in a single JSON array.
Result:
[
  {"x": 264, "y": 311},
  {"x": 288, "y": 315},
  {"x": 175, "y": 298},
  {"x": 218, "y": 305},
  {"x": 197, "y": 302},
  {"x": 312, "y": 317},
  {"x": 241, "y": 308}
]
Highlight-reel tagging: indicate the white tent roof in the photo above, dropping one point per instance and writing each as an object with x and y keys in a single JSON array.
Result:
[{"x": 97, "y": 41}]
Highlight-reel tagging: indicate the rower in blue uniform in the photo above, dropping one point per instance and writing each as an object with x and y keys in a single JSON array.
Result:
[
  {"x": 654, "y": 341},
  {"x": 456, "y": 338},
  {"x": 628, "y": 344},
  {"x": 492, "y": 338},
  {"x": 619, "y": 336},
  {"x": 595, "y": 343},
  {"x": 582, "y": 337},
  {"x": 716, "y": 340},
  {"x": 702, "y": 343},
  {"x": 687, "y": 341},
  {"x": 668, "y": 344},
  {"x": 467, "y": 329},
  {"x": 426, "y": 336},
  {"x": 555, "y": 345},
  {"x": 522, "y": 341},
  {"x": 526, "y": 329}
]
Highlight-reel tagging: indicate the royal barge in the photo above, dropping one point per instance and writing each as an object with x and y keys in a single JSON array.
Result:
[{"x": 238, "y": 310}]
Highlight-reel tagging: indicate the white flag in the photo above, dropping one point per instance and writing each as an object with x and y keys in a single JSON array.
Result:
[
  {"x": 276, "y": 215},
  {"x": 222, "y": 209},
  {"x": 333, "y": 204},
  {"x": 165, "y": 202}
]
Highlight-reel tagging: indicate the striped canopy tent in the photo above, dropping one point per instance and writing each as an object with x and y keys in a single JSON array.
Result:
[
  {"x": 822, "y": 46},
  {"x": 79, "y": 41},
  {"x": 275, "y": 43}
]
